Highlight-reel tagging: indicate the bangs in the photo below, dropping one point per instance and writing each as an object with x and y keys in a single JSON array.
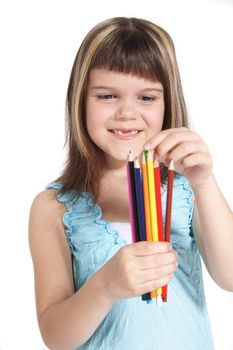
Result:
[{"x": 130, "y": 51}]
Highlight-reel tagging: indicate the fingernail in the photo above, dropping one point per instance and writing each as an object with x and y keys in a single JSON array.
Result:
[{"x": 147, "y": 146}]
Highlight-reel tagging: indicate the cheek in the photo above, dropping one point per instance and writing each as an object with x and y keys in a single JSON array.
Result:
[
  {"x": 92, "y": 121},
  {"x": 155, "y": 122},
  {"x": 95, "y": 121}
]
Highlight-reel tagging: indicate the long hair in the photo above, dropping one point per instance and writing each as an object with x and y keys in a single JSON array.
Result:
[{"x": 128, "y": 45}]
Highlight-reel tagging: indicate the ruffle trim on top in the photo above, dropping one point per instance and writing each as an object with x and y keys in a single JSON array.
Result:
[
  {"x": 182, "y": 192},
  {"x": 77, "y": 207},
  {"x": 65, "y": 199},
  {"x": 183, "y": 181},
  {"x": 97, "y": 213}
]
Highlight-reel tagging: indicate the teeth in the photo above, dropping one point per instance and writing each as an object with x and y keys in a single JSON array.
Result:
[{"x": 126, "y": 132}]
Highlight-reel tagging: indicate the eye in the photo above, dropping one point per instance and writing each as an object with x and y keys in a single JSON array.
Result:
[
  {"x": 106, "y": 97},
  {"x": 148, "y": 98}
]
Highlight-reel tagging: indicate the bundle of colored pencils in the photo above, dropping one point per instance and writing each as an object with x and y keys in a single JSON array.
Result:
[{"x": 145, "y": 206}]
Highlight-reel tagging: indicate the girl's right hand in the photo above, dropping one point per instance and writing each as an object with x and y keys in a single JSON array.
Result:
[{"x": 138, "y": 268}]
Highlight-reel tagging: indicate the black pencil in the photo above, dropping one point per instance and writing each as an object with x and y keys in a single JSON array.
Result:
[{"x": 134, "y": 198}]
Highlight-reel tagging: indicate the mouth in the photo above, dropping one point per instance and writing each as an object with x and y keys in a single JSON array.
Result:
[{"x": 125, "y": 134}]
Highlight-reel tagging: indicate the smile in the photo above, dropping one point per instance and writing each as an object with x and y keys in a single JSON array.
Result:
[{"x": 125, "y": 134}]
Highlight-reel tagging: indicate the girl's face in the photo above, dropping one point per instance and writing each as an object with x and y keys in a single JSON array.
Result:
[{"x": 122, "y": 112}]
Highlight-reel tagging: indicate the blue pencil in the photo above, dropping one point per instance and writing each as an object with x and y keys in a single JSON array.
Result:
[{"x": 141, "y": 215}]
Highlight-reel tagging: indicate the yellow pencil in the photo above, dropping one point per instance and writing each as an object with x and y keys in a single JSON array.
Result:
[
  {"x": 153, "y": 209},
  {"x": 146, "y": 198}
]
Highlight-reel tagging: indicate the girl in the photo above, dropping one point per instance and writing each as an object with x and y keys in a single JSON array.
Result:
[{"x": 125, "y": 94}]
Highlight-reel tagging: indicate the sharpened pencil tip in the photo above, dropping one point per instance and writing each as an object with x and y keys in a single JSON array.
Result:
[
  {"x": 136, "y": 163},
  {"x": 171, "y": 165},
  {"x": 143, "y": 158},
  {"x": 130, "y": 156},
  {"x": 149, "y": 155}
]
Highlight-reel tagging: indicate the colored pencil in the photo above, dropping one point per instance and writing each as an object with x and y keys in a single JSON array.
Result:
[
  {"x": 169, "y": 201},
  {"x": 145, "y": 207},
  {"x": 132, "y": 200},
  {"x": 140, "y": 207},
  {"x": 168, "y": 213},
  {"x": 140, "y": 202},
  {"x": 153, "y": 294},
  {"x": 133, "y": 234},
  {"x": 153, "y": 210},
  {"x": 146, "y": 199},
  {"x": 159, "y": 206},
  {"x": 151, "y": 186},
  {"x": 157, "y": 182},
  {"x": 158, "y": 200}
]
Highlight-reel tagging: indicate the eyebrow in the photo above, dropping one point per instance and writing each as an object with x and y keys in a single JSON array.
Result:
[{"x": 112, "y": 88}]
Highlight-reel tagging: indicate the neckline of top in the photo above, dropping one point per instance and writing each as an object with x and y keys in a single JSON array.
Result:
[{"x": 108, "y": 222}]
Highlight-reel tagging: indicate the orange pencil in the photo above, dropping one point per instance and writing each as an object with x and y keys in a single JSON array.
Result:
[
  {"x": 153, "y": 213},
  {"x": 146, "y": 199},
  {"x": 146, "y": 205}
]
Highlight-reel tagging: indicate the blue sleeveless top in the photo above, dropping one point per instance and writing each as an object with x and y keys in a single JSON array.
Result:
[{"x": 182, "y": 323}]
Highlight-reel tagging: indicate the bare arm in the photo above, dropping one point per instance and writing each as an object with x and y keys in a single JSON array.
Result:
[
  {"x": 70, "y": 322},
  {"x": 213, "y": 219},
  {"x": 213, "y": 228},
  {"x": 66, "y": 320}
]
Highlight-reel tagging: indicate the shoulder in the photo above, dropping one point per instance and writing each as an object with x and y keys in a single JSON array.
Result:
[
  {"x": 48, "y": 199},
  {"x": 45, "y": 218},
  {"x": 46, "y": 206},
  {"x": 49, "y": 250}
]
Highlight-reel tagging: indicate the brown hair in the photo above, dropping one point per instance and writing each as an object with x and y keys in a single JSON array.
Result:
[{"x": 128, "y": 45}]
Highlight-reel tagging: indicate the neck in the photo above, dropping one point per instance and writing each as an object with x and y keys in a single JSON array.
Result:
[{"x": 118, "y": 167}]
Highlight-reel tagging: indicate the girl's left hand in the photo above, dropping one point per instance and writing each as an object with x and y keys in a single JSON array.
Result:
[{"x": 188, "y": 151}]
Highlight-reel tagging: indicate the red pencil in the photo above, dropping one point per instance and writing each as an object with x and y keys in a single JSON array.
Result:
[
  {"x": 169, "y": 202},
  {"x": 159, "y": 208},
  {"x": 168, "y": 214}
]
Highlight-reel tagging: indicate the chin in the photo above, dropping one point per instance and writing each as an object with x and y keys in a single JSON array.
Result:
[{"x": 122, "y": 155}]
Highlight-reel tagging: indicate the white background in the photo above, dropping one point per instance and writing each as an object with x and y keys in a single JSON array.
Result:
[{"x": 39, "y": 40}]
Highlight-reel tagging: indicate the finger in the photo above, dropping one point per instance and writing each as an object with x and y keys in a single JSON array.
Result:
[
  {"x": 146, "y": 248},
  {"x": 197, "y": 159},
  {"x": 184, "y": 149},
  {"x": 160, "y": 137},
  {"x": 157, "y": 273},
  {"x": 157, "y": 260},
  {"x": 155, "y": 284},
  {"x": 173, "y": 140},
  {"x": 157, "y": 139}
]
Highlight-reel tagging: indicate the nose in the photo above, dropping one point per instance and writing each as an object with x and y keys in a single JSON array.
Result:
[{"x": 126, "y": 110}]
